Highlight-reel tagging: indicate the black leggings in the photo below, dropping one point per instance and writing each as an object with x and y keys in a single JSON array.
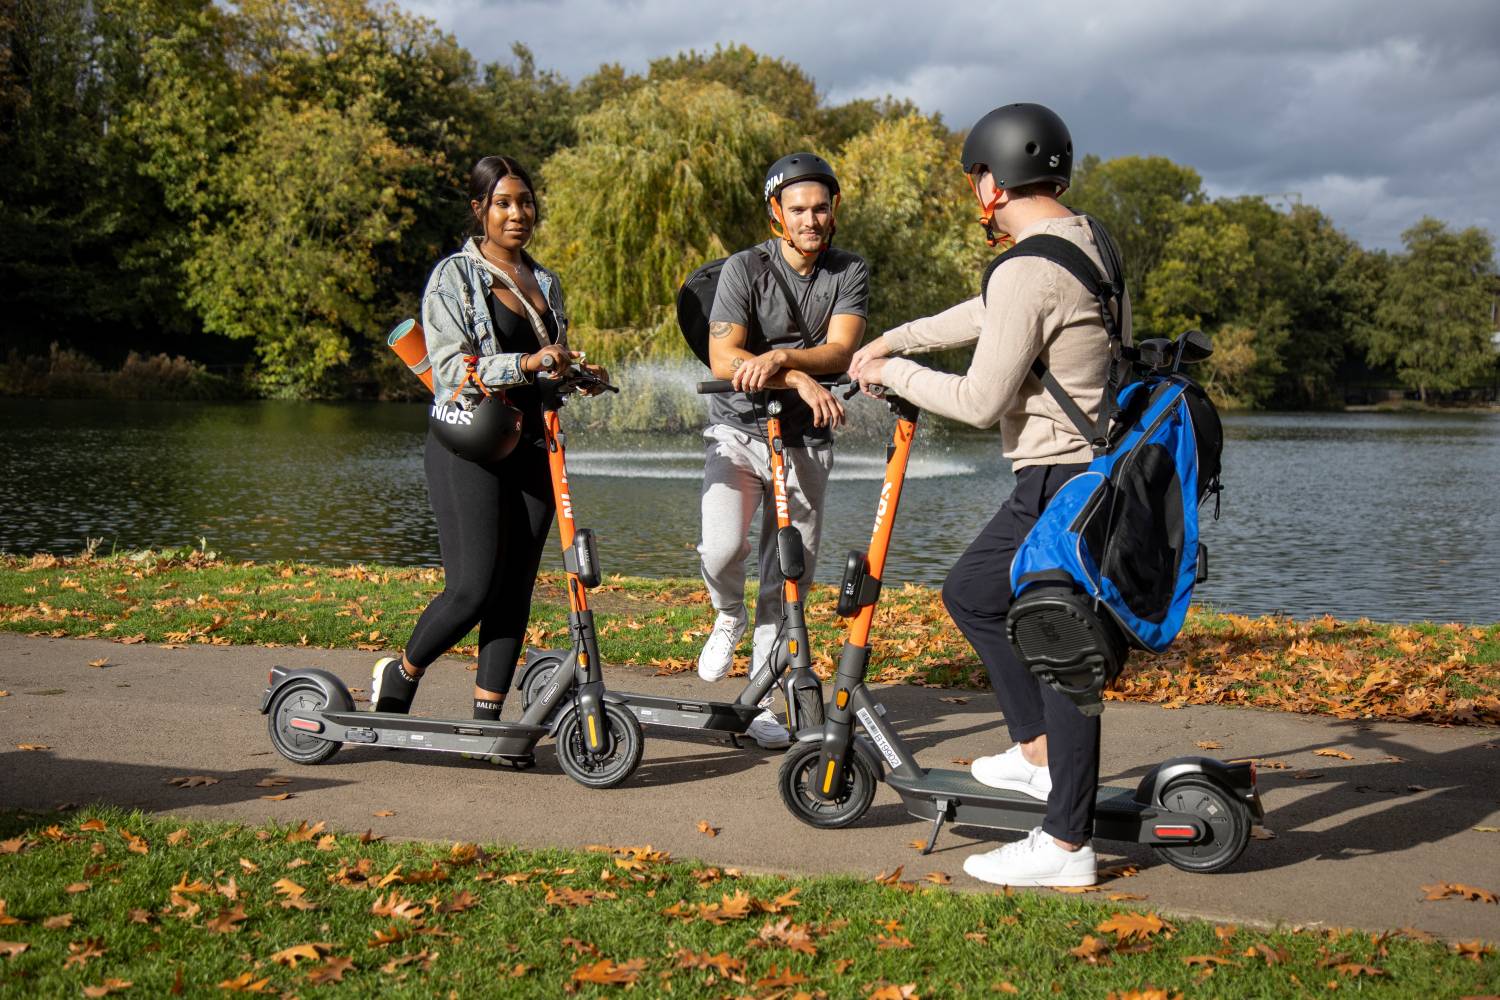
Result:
[
  {"x": 977, "y": 594},
  {"x": 492, "y": 526}
]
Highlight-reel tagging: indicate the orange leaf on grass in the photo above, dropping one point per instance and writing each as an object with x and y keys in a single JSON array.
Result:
[
  {"x": 331, "y": 971},
  {"x": 606, "y": 973},
  {"x": 80, "y": 952},
  {"x": 310, "y": 952},
  {"x": 1094, "y": 951},
  {"x": 93, "y": 826},
  {"x": 1134, "y": 924},
  {"x": 778, "y": 977},
  {"x": 107, "y": 987},
  {"x": 59, "y": 922},
  {"x": 228, "y": 921},
  {"x": 246, "y": 982}
]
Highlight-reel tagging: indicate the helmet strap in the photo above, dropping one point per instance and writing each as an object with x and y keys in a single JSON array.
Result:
[{"x": 992, "y": 236}]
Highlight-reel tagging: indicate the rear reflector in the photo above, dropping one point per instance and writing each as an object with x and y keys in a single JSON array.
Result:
[
  {"x": 306, "y": 725},
  {"x": 1175, "y": 832}
]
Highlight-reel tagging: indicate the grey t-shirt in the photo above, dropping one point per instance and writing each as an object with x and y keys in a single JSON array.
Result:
[{"x": 838, "y": 285}]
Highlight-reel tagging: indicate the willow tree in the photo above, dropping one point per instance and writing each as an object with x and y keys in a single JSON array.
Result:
[
  {"x": 908, "y": 211},
  {"x": 661, "y": 180}
]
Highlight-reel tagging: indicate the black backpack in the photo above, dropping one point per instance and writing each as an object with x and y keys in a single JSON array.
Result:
[{"x": 695, "y": 301}]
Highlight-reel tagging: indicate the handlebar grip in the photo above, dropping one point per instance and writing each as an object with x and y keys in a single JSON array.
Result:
[
  {"x": 549, "y": 362},
  {"x": 715, "y": 385}
]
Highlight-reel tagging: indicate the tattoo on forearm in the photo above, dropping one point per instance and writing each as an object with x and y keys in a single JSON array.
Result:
[
  {"x": 720, "y": 330},
  {"x": 734, "y": 365}
]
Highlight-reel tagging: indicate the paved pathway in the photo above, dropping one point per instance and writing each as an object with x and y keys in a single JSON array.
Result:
[{"x": 1351, "y": 848}]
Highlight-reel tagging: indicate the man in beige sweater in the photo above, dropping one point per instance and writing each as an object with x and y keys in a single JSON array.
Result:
[{"x": 1019, "y": 160}]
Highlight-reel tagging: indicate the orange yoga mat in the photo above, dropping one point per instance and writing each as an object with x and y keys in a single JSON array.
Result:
[{"x": 409, "y": 342}]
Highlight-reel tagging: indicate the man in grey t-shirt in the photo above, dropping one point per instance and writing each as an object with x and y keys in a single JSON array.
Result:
[{"x": 756, "y": 340}]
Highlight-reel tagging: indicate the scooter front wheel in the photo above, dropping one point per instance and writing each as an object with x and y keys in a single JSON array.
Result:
[
  {"x": 299, "y": 698},
  {"x": 798, "y": 777},
  {"x": 627, "y": 743},
  {"x": 809, "y": 703},
  {"x": 1227, "y": 820}
]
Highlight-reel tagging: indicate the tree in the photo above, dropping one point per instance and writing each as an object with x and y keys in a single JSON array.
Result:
[
  {"x": 907, "y": 210},
  {"x": 1140, "y": 200},
  {"x": 1434, "y": 322},
  {"x": 660, "y": 181},
  {"x": 782, "y": 86},
  {"x": 292, "y": 266},
  {"x": 530, "y": 113}
]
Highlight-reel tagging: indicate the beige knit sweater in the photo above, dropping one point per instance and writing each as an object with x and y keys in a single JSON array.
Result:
[{"x": 1035, "y": 307}]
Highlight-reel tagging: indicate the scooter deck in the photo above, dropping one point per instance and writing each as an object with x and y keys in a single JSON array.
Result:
[
  {"x": 393, "y": 729},
  {"x": 682, "y": 713},
  {"x": 956, "y": 797}
]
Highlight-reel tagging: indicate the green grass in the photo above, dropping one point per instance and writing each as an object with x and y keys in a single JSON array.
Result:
[
  {"x": 1424, "y": 672},
  {"x": 155, "y": 908}
]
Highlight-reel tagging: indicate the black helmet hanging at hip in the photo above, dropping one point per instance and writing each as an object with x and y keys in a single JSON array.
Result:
[
  {"x": 486, "y": 431},
  {"x": 1020, "y": 144},
  {"x": 794, "y": 169}
]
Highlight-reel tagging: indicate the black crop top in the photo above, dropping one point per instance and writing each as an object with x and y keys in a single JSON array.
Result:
[{"x": 514, "y": 335}]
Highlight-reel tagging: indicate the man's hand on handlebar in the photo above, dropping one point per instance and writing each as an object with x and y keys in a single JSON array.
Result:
[
  {"x": 826, "y": 410},
  {"x": 753, "y": 373}
]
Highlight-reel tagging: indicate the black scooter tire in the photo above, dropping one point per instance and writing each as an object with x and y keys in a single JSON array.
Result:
[
  {"x": 298, "y": 697},
  {"x": 794, "y": 784},
  {"x": 628, "y": 741},
  {"x": 809, "y": 708},
  {"x": 1227, "y": 818}
]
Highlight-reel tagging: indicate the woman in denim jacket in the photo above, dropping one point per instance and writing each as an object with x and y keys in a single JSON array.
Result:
[{"x": 493, "y": 316}]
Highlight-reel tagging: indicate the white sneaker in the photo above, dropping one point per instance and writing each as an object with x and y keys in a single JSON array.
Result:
[
  {"x": 768, "y": 731},
  {"x": 1037, "y": 860},
  {"x": 1012, "y": 771},
  {"x": 718, "y": 652}
]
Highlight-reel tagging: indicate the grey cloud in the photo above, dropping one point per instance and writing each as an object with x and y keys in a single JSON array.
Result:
[{"x": 1377, "y": 111}]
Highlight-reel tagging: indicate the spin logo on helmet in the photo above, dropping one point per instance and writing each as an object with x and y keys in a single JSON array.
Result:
[
  {"x": 452, "y": 414},
  {"x": 772, "y": 183}
]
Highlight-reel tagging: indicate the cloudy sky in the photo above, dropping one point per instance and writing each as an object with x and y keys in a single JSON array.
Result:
[{"x": 1377, "y": 111}]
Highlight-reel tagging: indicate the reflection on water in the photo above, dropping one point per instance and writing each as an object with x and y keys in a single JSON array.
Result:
[{"x": 1387, "y": 515}]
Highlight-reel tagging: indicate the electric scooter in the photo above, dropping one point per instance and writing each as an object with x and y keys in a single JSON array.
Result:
[
  {"x": 1196, "y": 812},
  {"x": 790, "y": 662},
  {"x": 310, "y": 713}
]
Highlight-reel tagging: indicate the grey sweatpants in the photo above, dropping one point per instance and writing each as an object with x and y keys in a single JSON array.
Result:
[{"x": 737, "y": 481}]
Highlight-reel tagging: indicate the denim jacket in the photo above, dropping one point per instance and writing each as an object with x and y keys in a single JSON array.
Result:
[{"x": 456, "y": 318}]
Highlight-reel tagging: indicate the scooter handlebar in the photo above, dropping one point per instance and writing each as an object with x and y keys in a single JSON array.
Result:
[{"x": 717, "y": 385}]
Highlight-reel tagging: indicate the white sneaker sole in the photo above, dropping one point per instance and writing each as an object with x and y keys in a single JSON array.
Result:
[{"x": 1031, "y": 881}]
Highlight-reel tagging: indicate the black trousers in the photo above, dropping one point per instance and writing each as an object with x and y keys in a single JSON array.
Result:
[
  {"x": 492, "y": 526},
  {"x": 977, "y": 594}
]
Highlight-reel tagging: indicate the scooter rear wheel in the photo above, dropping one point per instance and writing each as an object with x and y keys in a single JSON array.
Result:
[
  {"x": 302, "y": 698},
  {"x": 1227, "y": 819},
  {"x": 537, "y": 682},
  {"x": 809, "y": 708},
  {"x": 796, "y": 783},
  {"x": 627, "y": 743}
]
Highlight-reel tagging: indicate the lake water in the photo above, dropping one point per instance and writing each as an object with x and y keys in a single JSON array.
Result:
[{"x": 1391, "y": 516}]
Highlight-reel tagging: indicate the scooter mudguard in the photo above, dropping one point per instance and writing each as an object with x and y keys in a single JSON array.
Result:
[
  {"x": 336, "y": 694},
  {"x": 538, "y": 659},
  {"x": 1236, "y": 778},
  {"x": 862, "y": 746}
]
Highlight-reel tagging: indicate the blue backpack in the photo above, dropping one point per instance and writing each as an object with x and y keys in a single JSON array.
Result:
[{"x": 1112, "y": 562}]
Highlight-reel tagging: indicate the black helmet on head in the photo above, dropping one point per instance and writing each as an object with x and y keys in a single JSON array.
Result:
[
  {"x": 1020, "y": 144},
  {"x": 798, "y": 167}
]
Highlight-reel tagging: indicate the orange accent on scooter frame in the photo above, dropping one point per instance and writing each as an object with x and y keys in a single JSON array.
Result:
[
  {"x": 885, "y": 519},
  {"x": 790, "y": 591},
  {"x": 557, "y": 464}
]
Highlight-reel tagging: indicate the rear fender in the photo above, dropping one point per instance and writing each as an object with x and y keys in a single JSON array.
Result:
[
  {"x": 336, "y": 695},
  {"x": 538, "y": 659},
  {"x": 1238, "y": 779}
]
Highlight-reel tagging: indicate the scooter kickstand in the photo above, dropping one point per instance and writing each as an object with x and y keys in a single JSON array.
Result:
[
  {"x": 734, "y": 738},
  {"x": 937, "y": 824}
]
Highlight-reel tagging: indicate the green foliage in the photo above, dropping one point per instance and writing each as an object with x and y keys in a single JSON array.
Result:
[
  {"x": 292, "y": 265},
  {"x": 905, "y": 211},
  {"x": 661, "y": 180},
  {"x": 1434, "y": 320},
  {"x": 1141, "y": 200},
  {"x": 529, "y": 114}
]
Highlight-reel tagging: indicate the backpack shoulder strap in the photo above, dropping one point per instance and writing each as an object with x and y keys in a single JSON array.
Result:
[
  {"x": 786, "y": 290},
  {"x": 1108, "y": 289}
]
